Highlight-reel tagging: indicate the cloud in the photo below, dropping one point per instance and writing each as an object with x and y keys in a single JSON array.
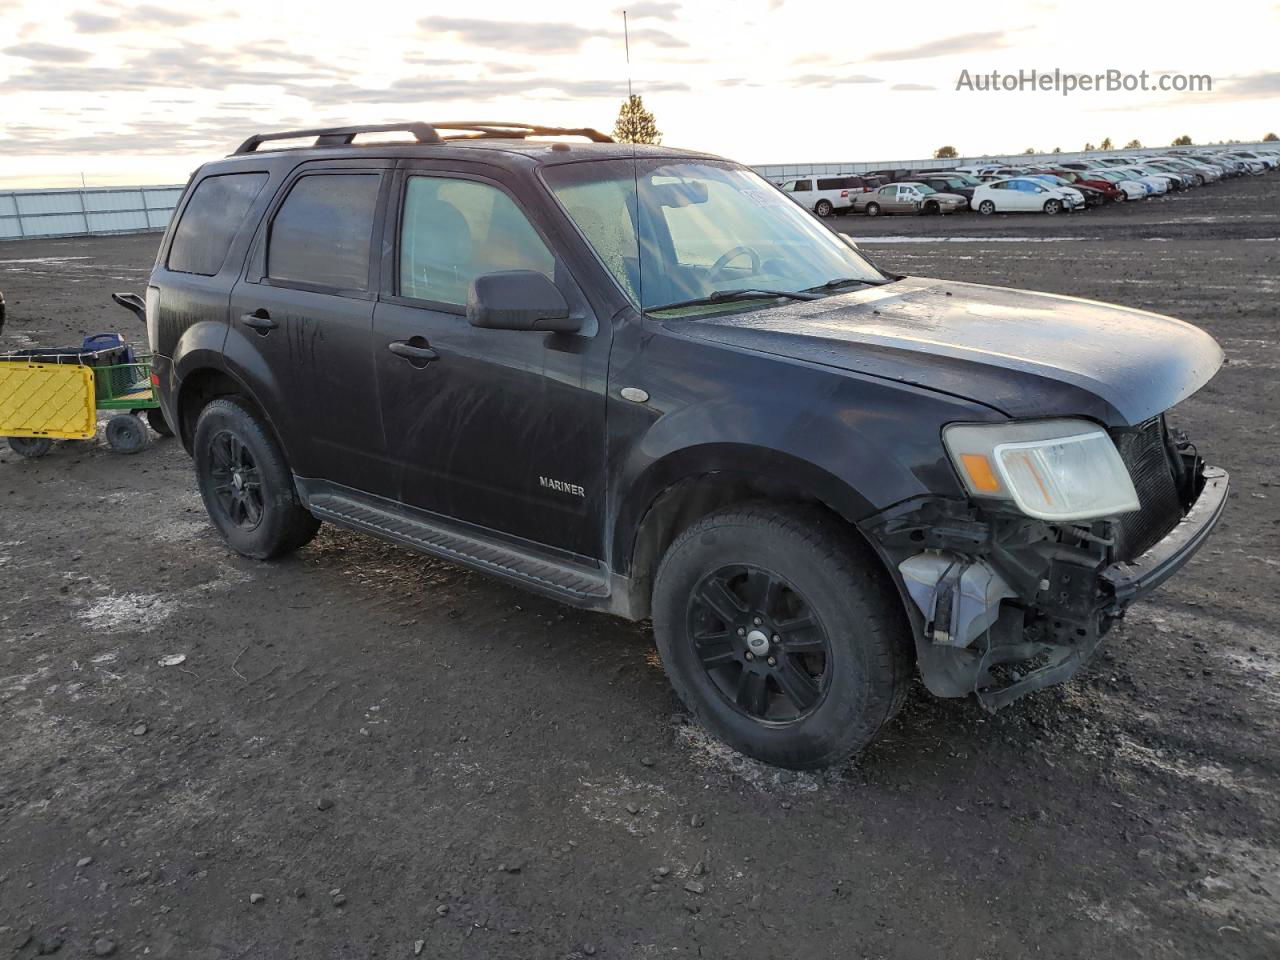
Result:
[
  {"x": 87, "y": 22},
  {"x": 529, "y": 37},
  {"x": 650, "y": 10},
  {"x": 164, "y": 16},
  {"x": 826, "y": 81},
  {"x": 536, "y": 37},
  {"x": 912, "y": 86},
  {"x": 46, "y": 53},
  {"x": 432, "y": 89},
  {"x": 964, "y": 43},
  {"x": 1254, "y": 86}
]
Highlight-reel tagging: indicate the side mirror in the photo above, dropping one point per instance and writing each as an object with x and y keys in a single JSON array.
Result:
[{"x": 519, "y": 300}]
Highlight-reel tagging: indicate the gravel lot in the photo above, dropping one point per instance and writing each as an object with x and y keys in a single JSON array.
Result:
[{"x": 365, "y": 749}]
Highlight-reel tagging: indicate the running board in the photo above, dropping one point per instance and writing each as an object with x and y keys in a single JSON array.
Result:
[{"x": 576, "y": 583}]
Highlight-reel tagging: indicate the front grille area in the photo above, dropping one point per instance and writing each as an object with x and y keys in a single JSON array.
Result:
[{"x": 1146, "y": 454}]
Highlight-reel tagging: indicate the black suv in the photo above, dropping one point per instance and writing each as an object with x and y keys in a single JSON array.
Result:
[{"x": 643, "y": 381}]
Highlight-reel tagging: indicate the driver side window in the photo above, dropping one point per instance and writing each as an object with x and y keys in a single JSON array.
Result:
[{"x": 453, "y": 231}]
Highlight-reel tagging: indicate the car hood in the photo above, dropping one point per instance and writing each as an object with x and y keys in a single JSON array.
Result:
[
  {"x": 946, "y": 196},
  {"x": 1024, "y": 354}
]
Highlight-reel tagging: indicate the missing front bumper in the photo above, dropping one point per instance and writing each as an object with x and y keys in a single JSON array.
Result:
[{"x": 1000, "y": 639}]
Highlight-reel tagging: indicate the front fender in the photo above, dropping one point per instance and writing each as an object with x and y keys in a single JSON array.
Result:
[{"x": 858, "y": 444}]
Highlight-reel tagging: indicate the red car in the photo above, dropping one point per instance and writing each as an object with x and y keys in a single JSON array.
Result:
[{"x": 1113, "y": 193}]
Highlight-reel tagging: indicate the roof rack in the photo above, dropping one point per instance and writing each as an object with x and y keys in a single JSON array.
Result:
[{"x": 424, "y": 133}]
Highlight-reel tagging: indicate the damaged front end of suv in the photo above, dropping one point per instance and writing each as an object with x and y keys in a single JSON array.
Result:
[{"x": 1065, "y": 525}]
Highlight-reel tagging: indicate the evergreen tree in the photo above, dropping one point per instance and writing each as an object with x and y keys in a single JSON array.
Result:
[{"x": 635, "y": 124}]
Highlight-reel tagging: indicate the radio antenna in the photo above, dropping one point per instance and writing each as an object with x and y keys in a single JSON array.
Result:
[{"x": 626, "y": 39}]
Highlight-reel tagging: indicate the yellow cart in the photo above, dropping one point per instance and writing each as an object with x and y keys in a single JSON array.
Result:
[{"x": 48, "y": 395}]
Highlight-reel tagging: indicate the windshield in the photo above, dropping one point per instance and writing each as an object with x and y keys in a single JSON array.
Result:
[
  {"x": 923, "y": 188},
  {"x": 699, "y": 227}
]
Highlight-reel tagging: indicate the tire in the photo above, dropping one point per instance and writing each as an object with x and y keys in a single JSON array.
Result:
[
  {"x": 127, "y": 434},
  {"x": 246, "y": 483},
  {"x": 932, "y": 209},
  {"x": 1052, "y": 207},
  {"x": 824, "y": 209},
  {"x": 799, "y": 710},
  {"x": 986, "y": 208},
  {"x": 155, "y": 417},
  {"x": 33, "y": 448},
  {"x": 873, "y": 209}
]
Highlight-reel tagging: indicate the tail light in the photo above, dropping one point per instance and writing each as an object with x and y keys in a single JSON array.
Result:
[
  {"x": 844, "y": 193},
  {"x": 155, "y": 380}
]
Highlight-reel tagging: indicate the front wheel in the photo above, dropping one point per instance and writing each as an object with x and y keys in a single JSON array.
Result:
[
  {"x": 246, "y": 484},
  {"x": 986, "y": 208},
  {"x": 1052, "y": 206},
  {"x": 781, "y": 634},
  {"x": 33, "y": 448},
  {"x": 873, "y": 209},
  {"x": 824, "y": 208}
]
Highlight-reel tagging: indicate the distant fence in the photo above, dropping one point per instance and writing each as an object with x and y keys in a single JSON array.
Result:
[
  {"x": 79, "y": 212},
  {"x": 782, "y": 171},
  {"x": 88, "y": 211}
]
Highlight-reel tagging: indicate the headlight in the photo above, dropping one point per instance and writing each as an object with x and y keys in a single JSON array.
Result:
[{"x": 1050, "y": 469}]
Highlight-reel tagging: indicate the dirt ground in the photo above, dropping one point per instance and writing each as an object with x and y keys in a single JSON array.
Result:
[{"x": 366, "y": 752}]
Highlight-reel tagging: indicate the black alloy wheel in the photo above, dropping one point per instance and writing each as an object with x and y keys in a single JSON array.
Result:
[
  {"x": 759, "y": 642},
  {"x": 237, "y": 486}
]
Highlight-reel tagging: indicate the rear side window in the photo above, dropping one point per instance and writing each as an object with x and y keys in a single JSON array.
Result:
[
  {"x": 210, "y": 221},
  {"x": 321, "y": 234}
]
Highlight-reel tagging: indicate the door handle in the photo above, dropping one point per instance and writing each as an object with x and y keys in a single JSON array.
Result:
[
  {"x": 260, "y": 320},
  {"x": 417, "y": 353}
]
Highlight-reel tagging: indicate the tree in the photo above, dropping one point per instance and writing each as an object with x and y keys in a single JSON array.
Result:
[
  {"x": 1182, "y": 141},
  {"x": 1089, "y": 148},
  {"x": 635, "y": 124},
  {"x": 1133, "y": 145},
  {"x": 1270, "y": 138},
  {"x": 1106, "y": 144},
  {"x": 1029, "y": 150},
  {"x": 1057, "y": 149},
  {"x": 945, "y": 153}
]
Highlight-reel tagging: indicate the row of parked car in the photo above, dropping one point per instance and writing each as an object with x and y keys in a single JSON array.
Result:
[{"x": 1041, "y": 188}]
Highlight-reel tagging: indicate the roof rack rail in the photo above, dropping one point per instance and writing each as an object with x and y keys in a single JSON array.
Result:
[
  {"x": 342, "y": 136},
  {"x": 423, "y": 133}
]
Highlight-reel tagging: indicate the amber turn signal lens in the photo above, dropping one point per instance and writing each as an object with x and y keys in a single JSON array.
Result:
[{"x": 980, "y": 473}]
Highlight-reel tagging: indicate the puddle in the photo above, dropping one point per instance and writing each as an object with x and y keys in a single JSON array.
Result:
[{"x": 46, "y": 259}]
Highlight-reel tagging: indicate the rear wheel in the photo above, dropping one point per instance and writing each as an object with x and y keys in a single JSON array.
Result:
[
  {"x": 873, "y": 209},
  {"x": 246, "y": 484},
  {"x": 33, "y": 448},
  {"x": 824, "y": 208},
  {"x": 155, "y": 417},
  {"x": 781, "y": 634},
  {"x": 986, "y": 208}
]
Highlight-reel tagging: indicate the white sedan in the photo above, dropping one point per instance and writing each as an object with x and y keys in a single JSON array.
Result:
[{"x": 1023, "y": 194}]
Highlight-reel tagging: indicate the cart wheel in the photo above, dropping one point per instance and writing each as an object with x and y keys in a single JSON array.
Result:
[
  {"x": 30, "y": 447},
  {"x": 127, "y": 434},
  {"x": 155, "y": 417}
]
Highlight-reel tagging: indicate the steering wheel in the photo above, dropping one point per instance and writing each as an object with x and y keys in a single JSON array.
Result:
[{"x": 730, "y": 256}]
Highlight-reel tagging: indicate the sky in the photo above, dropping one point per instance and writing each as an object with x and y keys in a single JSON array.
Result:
[{"x": 126, "y": 92}]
